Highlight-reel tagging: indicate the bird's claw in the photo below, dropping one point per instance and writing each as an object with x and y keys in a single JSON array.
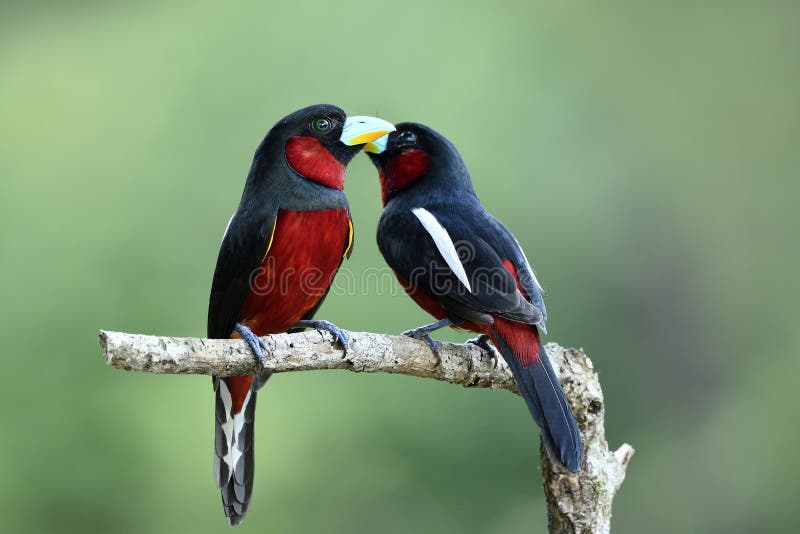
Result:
[
  {"x": 423, "y": 335},
  {"x": 338, "y": 334},
  {"x": 257, "y": 345},
  {"x": 483, "y": 341}
]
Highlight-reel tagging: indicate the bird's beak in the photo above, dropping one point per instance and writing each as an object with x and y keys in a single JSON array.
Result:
[
  {"x": 377, "y": 146},
  {"x": 361, "y": 130}
]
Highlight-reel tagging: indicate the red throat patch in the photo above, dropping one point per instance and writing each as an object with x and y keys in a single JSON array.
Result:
[
  {"x": 311, "y": 160},
  {"x": 401, "y": 171}
]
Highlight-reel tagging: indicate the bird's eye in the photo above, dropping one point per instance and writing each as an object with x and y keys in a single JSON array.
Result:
[
  {"x": 322, "y": 125},
  {"x": 407, "y": 136}
]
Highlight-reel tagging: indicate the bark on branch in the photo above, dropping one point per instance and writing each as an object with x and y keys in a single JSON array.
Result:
[{"x": 577, "y": 503}]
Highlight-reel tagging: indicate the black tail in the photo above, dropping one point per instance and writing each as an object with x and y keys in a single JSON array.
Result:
[
  {"x": 233, "y": 444},
  {"x": 542, "y": 391}
]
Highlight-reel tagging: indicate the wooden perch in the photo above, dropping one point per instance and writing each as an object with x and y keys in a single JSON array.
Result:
[{"x": 577, "y": 503}]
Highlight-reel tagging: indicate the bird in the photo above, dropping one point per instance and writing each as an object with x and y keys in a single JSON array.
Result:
[
  {"x": 279, "y": 254},
  {"x": 466, "y": 269}
]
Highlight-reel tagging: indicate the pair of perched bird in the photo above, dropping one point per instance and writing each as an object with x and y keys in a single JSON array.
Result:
[{"x": 293, "y": 220}]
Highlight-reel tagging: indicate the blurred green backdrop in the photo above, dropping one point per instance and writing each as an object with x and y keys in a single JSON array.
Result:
[{"x": 645, "y": 154}]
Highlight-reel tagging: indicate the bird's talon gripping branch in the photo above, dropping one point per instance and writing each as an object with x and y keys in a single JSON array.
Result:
[
  {"x": 484, "y": 342},
  {"x": 257, "y": 345},
  {"x": 422, "y": 335},
  {"x": 338, "y": 333}
]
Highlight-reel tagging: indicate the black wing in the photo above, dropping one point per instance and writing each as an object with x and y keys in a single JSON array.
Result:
[
  {"x": 412, "y": 253},
  {"x": 511, "y": 249},
  {"x": 243, "y": 248}
]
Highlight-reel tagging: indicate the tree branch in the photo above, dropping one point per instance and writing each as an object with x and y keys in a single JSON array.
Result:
[{"x": 577, "y": 503}]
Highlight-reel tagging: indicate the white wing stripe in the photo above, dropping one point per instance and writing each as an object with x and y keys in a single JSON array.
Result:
[
  {"x": 228, "y": 227},
  {"x": 528, "y": 265},
  {"x": 443, "y": 242}
]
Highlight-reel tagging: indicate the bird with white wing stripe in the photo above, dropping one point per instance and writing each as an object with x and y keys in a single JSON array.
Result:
[{"x": 464, "y": 267}]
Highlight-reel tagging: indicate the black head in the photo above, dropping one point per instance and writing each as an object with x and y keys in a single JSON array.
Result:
[
  {"x": 323, "y": 123},
  {"x": 415, "y": 155},
  {"x": 317, "y": 143}
]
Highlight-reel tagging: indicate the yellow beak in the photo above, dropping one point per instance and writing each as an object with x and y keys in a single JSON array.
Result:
[
  {"x": 360, "y": 130},
  {"x": 377, "y": 146}
]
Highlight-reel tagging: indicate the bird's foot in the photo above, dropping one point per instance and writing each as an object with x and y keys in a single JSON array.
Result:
[
  {"x": 338, "y": 333},
  {"x": 256, "y": 344},
  {"x": 483, "y": 341},
  {"x": 422, "y": 333}
]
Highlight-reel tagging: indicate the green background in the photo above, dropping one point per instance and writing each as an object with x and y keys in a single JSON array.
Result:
[{"x": 645, "y": 154}]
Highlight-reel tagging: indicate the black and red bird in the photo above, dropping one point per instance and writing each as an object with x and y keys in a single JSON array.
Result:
[
  {"x": 277, "y": 260},
  {"x": 464, "y": 267}
]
